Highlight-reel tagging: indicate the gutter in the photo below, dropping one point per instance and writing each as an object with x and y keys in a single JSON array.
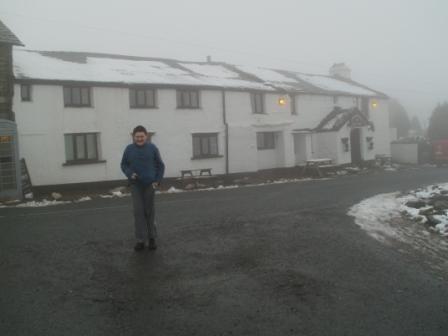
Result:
[{"x": 226, "y": 126}]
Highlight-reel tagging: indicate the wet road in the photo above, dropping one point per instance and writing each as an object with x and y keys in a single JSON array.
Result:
[{"x": 274, "y": 260}]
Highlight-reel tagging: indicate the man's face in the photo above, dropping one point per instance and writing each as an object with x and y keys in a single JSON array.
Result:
[{"x": 140, "y": 138}]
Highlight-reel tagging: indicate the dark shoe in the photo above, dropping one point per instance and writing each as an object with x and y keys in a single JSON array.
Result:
[
  {"x": 152, "y": 244},
  {"x": 139, "y": 246}
]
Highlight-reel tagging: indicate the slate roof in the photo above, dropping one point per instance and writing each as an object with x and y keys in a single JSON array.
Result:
[
  {"x": 339, "y": 117},
  {"x": 100, "y": 69},
  {"x": 7, "y": 36}
]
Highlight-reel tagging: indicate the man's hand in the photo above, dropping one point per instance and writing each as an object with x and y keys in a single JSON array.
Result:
[
  {"x": 155, "y": 185},
  {"x": 134, "y": 176}
]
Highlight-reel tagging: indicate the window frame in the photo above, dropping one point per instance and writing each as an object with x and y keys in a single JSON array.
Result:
[
  {"x": 254, "y": 102},
  {"x": 86, "y": 160},
  {"x": 263, "y": 143},
  {"x": 70, "y": 89},
  {"x": 181, "y": 100},
  {"x": 25, "y": 98},
  {"x": 205, "y": 137},
  {"x": 134, "y": 91}
]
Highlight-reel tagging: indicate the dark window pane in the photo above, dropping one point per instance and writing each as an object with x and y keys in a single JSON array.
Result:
[
  {"x": 141, "y": 100},
  {"x": 150, "y": 99},
  {"x": 179, "y": 98},
  {"x": 271, "y": 140},
  {"x": 25, "y": 92},
  {"x": 194, "y": 101},
  {"x": 260, "y": 142},
  {"x": 69, "y": 154},
  {"x": 204, "y": 146},
  {"x": 132, "y": 98},
  {"x": 214, "y": 145},
  {"x": 80, "y": 147},
  {"x": 257, "y": 103},
  {"x": 186, "y": 99},
  {"x": 76, "y": 96},
  {"x": 91, "y": 146},
  {"x": 85, "y": 96},
  {"x": 196, "y": 146}
]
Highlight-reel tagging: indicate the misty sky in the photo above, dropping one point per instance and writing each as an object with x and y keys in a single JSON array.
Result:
[{"x": 395, "y": 46}]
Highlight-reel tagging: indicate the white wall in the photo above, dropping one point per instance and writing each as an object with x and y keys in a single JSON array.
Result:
[
  {"x": 380, "y": 118},
  {"x": 43, "y": 122},
  {"x": 311, "y": 109},
  {"x": 324, "y": 146},
  {"x": 404, "y": 153}
]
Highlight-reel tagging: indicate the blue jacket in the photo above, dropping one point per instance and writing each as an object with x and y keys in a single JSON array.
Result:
[{"x": 145, "y": 161}]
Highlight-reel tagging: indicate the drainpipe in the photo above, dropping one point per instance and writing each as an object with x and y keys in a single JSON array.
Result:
[{"x": 226, "y": 126}]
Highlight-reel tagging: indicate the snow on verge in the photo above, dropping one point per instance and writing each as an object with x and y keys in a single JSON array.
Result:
[{"x": 375, "y": 214}]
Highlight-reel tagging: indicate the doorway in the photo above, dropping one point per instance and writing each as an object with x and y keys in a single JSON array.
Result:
[
  {"x": 355, "y": 145},
  {"x": 300, "y": 148}
]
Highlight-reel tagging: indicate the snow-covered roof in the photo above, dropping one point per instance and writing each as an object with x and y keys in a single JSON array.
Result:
[
  {"x": 340, "y": 117},
  {"x": 129, "y": 70}
]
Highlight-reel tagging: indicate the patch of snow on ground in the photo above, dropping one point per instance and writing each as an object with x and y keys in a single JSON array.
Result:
[
  {"x": 43, "y": 203},
  {"x": 84, "y": 199},
  {"x": 375, "y": 214},
  {"x": 173, "y": 190}
]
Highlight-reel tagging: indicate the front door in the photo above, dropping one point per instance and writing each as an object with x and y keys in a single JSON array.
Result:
[
  {"x": 300, "y": 148},
  {"x": 355, "y": 145}
]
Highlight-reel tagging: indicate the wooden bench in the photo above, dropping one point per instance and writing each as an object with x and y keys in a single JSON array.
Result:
[
  {"x": 317, "y": 165},
  {"x": 383, "y": 160},
  {"x": 196, "y": 172}
]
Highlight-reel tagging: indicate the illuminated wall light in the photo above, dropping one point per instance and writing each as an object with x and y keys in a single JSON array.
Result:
[
  {"x": 374, "y": 104},
  {"x": 282, "y": 101}
]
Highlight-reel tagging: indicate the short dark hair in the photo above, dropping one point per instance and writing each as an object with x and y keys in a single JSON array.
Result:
[{"x": 138, "y": 129}]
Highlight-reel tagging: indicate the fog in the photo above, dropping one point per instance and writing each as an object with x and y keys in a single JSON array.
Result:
[{"x": 396, "y": 46}]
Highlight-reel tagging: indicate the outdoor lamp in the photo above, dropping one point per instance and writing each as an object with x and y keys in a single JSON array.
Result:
[
  {"x": 282, "y": 101},
  {"x": 374, "y": 104}
]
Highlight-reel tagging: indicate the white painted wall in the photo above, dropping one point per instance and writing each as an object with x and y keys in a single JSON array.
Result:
[
  {"x": 380, "y": 117},
  {"x": 404, "y": 153},
  {"x": 43, "y": 122}
]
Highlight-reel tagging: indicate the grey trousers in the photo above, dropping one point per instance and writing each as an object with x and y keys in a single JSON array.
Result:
[{"x": 144, "y": 212}]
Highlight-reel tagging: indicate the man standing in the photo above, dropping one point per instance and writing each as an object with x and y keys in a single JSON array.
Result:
[{"x": 144, "y": 168}]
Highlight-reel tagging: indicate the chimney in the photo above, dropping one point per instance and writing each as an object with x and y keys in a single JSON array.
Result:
[
  {"x": 209, "y": 59},
  {"x": 340, "y": 70}
]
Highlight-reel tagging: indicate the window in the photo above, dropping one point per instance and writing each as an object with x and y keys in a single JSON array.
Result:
[
  {"x": 77, "y": 96},
  {"x": 265, "y": 140},
  {"x": 257, "y": 100},
  {"x": 81, "y": 147},
  {"x": 345, "y": 144},
  {"x": 370, "y": 144},
  {"x": 205, "y": 145},
  {"x": 142, "y": 98},
  {"x": 25, "y": 92},
  {"x": 188, "y": 99}
]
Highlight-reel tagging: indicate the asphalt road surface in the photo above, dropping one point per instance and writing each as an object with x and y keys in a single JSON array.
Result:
[{"x": 280, "y": 260}]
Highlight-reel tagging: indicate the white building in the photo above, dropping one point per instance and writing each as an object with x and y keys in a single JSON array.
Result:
[{"x": 75, "y": 112}]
